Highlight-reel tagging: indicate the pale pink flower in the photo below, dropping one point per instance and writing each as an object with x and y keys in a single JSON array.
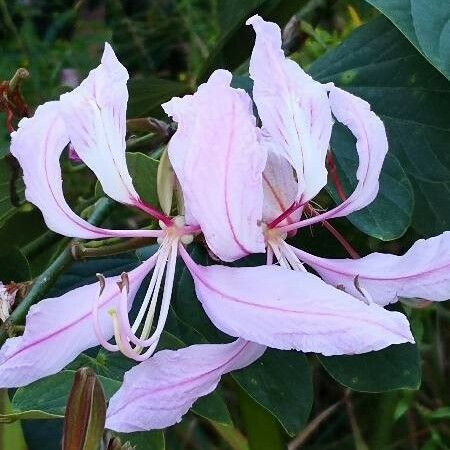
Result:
[{"x": 237, "y": 182}]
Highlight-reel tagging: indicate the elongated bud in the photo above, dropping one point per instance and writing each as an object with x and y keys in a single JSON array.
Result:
[
  {"x": 84, "y": 421},
  {"x": 165, "y": 183}
]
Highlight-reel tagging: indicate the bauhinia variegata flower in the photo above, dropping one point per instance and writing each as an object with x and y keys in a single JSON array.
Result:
[{"x": 246, "y": 189}]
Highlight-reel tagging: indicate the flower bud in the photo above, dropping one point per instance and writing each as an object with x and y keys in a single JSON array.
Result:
[
  {"x": 165, "y": 183},
  {"x": 84, "y": 420}
]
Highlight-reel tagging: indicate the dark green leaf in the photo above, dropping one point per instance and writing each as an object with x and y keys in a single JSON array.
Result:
[
  {"x": 389, "y": 216},
  {"x": 147, "y": 94},
  {"x": 425, "y": 23},
  {"x": 84, "y": 272},
  {"x": 186, "y": 305},
  {"x": 281, "y": 383},
  {"x": 212, "y": 407},
  {"x": 143, "y": 170},
  {"x": 236, "y": 39},
  {"x": 49, "y": 394},
  {"x": 396, "y": 367},
  {"x": 412, "y": 98}
]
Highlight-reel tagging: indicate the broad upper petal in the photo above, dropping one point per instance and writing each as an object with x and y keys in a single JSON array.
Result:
[
  {"x": 294, "y": 109},
  {"x": 285, "y": 309},
  {"x": 58, "y": 329},
  {"x": 422, "y": 272},
  {"x": 158, "y": 392},
  {"x": 38, "y": 144},
  {"x": 219, "y": 162},
  {"x": 95, "y": 118}
]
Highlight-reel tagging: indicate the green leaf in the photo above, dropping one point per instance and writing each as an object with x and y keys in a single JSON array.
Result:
[
  {"x": 390, "y": 215},
  {"x": 186, "y": 305},
  {"x": 84, "y": 272},
  {"x": 425, "y": 23},
  {"x": 213, "y": 407},
  {"x": 7, "y": 209},
  {"x": 395, "y": 367},
  {"x": 412, "y": 98},
  {"x": 281, "y": 383},
  {"x": 49, "y": 395},
  {"x": 147, "y": 94},
  {"x": 143, "y": 171}
]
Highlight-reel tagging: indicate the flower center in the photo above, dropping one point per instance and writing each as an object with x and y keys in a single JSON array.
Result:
[{"x": 276, "y": 245}]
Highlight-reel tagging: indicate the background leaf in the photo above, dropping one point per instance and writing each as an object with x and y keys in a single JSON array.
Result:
[
  {"x": 425, "y": 23},
  {"x": 143, "y": 170},
  {"x": 412, "y": 98},
  {"x": 395, "y": 367},
  {"x": 281, "y": 383},
  {"x": 390, "y": 214}
]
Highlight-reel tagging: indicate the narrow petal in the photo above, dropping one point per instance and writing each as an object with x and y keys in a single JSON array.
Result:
[
  {"x": 58, "y": 329},
  {"x": 371, "y": 145},
  {"x": 422, "y": 272},
  {"x": 285, "y": 309},
  {"x": 219, "y": 162},
  {"x": 294, "y": 109},
  {"x": 280, "y": 189},
  {"x": 95, "y": 115},
  {"x": 38, "y": 144},
  {"x": 158, "y": 392}
]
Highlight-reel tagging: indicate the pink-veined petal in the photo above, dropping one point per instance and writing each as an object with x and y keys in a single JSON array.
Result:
[
  {"x": 158, "y": 392},
  {"x": 422, "y": 272},
  {"x": 280, "y": 189},
  {"x": 371, "y": 145},
  {"x": 294, "y": 109},
  {"x": 58, "y": 329},
  {"x": 95, "y": 117},
  {"x": 286, "y": 309},
  {"x": 38, "y": 144},
  {"x": 219, "y": 162}
]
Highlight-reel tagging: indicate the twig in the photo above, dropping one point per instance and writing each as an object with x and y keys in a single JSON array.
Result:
[
  {"x": 312, "y": 426},
  {"x": 80, "y": 251}
]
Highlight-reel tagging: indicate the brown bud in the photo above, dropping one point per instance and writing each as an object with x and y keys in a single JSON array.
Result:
[{"x": 84, "y": 420}]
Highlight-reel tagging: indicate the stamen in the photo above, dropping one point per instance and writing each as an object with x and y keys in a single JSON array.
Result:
[
  {"x": 280, "y": 257},
  {"x": 97, "y": 328},
  {"x": 292, "y": 258}
]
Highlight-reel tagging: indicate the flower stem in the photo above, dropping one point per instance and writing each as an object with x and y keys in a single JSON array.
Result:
[
  {"x": 45, "y": 281},
  {"x": 262, "y": 429}
]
